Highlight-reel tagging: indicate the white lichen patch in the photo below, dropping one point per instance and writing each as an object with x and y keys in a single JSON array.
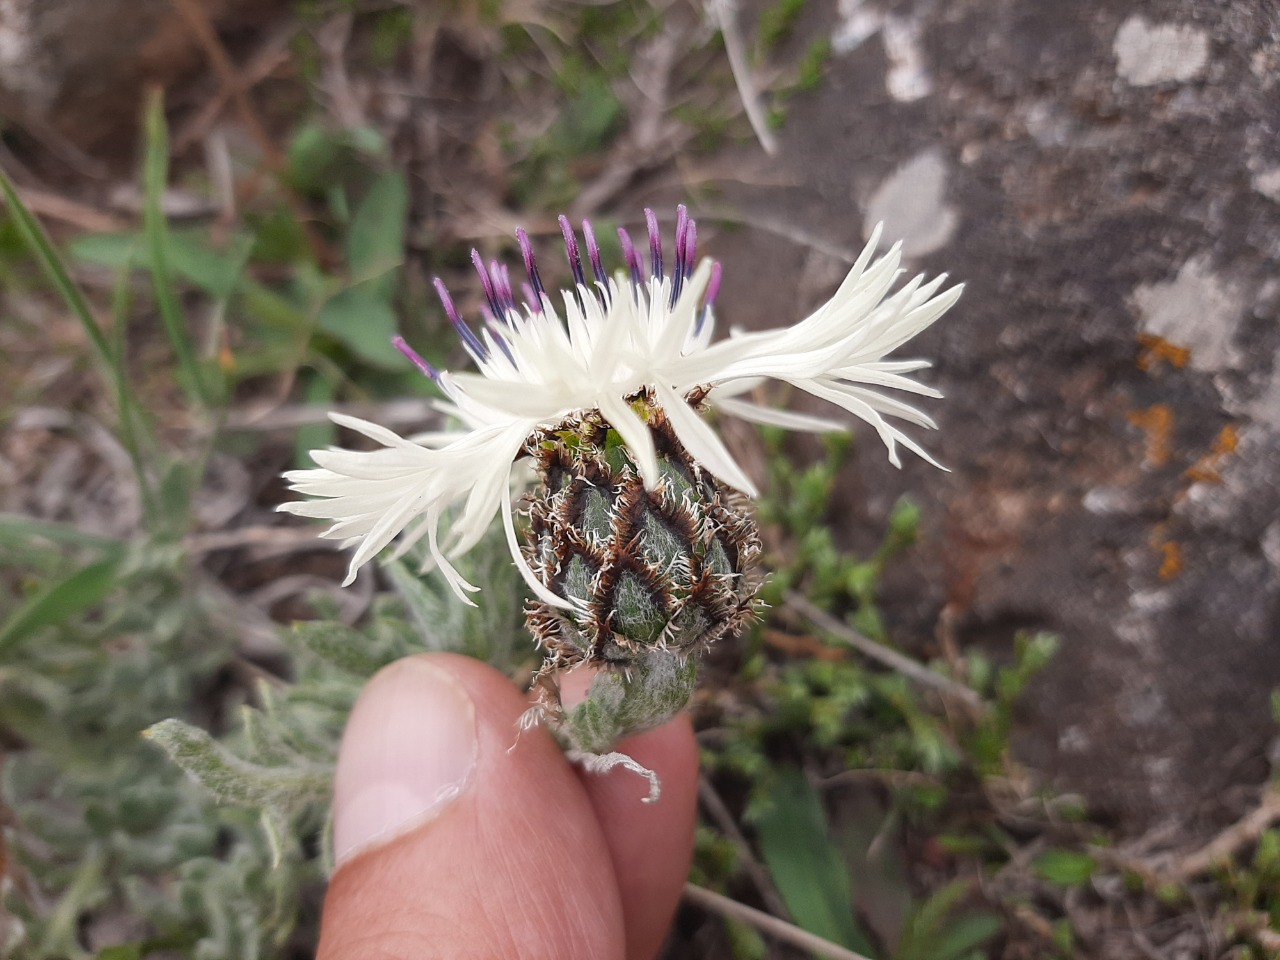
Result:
[
  {"x": 1151, "y": 53},
  {"x": 912, "y": 205},
  {"x": 22, "y": 63},
  {"x": 1197, "y": 309},
  {"x": 858, "y": 24},
  {"x": 1271, "y": 544},
  {"x": 1267, "y": 183},
  {"x": 907, "y": 77}
]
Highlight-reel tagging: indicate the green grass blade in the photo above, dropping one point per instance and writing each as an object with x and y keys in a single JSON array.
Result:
[
  {"x": 155, "y": 175},
  {"x": 37, "y": 240},
  {"x": 810, "y": 876},
  {"x": 15, "y": 526},
  {"x": 33, "y": 234},
  {"x": 135, "y": 428},
  {"x": 85, "y": 588}
]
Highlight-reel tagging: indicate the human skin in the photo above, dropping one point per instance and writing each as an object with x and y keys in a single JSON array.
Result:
[{"x": 521, "y": 854}]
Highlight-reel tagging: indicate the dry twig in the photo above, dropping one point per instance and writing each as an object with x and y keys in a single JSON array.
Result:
[
  {"x": 725, "y": 13},
  {"x": 729, "y": 827},
  {"x": 48, "y": 204},
  {"x": 271, "y": 54},
  {"x": 394, "y": 413},
  {"x": 1165, "y": 868},
  {"x": 884, "y": 655},
  {"x": 232, "y": 80},
  {"x": 767, "y": 924}
]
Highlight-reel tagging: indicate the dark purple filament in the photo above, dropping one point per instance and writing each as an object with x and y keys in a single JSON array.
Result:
[{"x": 471, "y": 341}]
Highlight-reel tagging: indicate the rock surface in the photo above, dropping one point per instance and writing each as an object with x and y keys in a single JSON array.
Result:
[{"x": 1103, "y": 177}]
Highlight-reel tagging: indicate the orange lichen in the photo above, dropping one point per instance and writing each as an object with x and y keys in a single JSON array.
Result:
[
  {"x": 1157, "y": 349},
  {"x": 1156, "y": 423},
  {"x": 1170, "y": 559},
  {"x": 1208, "y": 468}
]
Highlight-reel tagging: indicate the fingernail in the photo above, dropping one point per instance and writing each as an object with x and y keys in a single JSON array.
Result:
[{"x": 407, "y": 753}]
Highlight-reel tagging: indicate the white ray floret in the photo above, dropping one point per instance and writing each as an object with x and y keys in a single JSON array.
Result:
[{"x": 609, "y": 340}]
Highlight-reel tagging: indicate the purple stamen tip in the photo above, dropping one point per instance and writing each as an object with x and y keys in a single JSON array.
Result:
[
  {"x": 526, "y": 249},
  {"x": 415, "y": 358},
  {"x": 504, "y": 287},
  {"x": 593, "y": 252},
  {"x": 571, "y": 248},
  {"x": 503, "y": 301},
  {"x": 490, "y": 293},
  {"x": 530, "y": 267},
  {"x": 446, "y": 301},
  {"x": 690, "y": 248},
  {"x": 629, "y": 255},
  {"x": 713, "y": 286},
  {"x": 530, "y": 297},
  {"x": 655, "y": 242}
]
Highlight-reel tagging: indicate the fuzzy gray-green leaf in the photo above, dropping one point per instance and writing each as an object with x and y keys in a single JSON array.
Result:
[
  {"x": 230, "y": 778},
  {"x": 337, "y": 644}
]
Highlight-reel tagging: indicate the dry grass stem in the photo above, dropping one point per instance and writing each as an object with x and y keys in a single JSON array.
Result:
[
  {"x": 884, "y": 655},
  {"x": 270, "y": 55},
  {"x": 767, "y": 924},
  {"x": 230, "y": 77},
  {"x": 755, "y": 870},
  {"x": 46, "y": 203},
  {"x": 725, "y": 13},
  {"x": 393, "y": 414},
  {"x": 1165, "y": 868}
]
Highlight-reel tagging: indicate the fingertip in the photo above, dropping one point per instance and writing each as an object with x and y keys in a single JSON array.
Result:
[
  {"x": 651, "y": 844},
  {"x": 445, "y": 856}
]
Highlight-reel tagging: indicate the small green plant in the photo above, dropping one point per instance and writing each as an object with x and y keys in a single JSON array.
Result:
[{"x": 849, "y": 723}]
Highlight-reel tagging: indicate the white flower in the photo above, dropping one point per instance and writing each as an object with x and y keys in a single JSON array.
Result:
[{"x": 611, "y": 339}]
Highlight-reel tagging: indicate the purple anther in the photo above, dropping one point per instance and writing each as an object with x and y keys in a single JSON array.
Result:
[
  {"x": 713, "y": 286},
  {"x": 530, "y": 297},
  {"x": 490, "y": 293},
  {"x": 690, "y": 249},
  {"x": 682, "y": 229},
  {"x": 593, "y": 253},
  {"x": 629, "y": 256},
  {"x": 508, "y": 294},
  {"x": 415, "y": 358},
  {"x": 709, "y": 298},
  {"x": 530, "y": 267},
  {"x": 469, "y": 339},
  {"x": 500, "y": 277},
  {"x": 680, "y": 272},
  {"x": 655, "y": 242},
  {"x": 571, "y": 248},
  {"x": 496, "y": 331}
]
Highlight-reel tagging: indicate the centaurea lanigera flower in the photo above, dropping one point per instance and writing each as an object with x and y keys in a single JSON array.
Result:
[{"x": 638, "y": 547}]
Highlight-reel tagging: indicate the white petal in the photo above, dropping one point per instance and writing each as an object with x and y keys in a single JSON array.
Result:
[
  {"x": 536, "y": 585},
  {"x": 701, "y": 441},
  {"x": 635, "y": 434},
  {"x": 773, "y": 417}
]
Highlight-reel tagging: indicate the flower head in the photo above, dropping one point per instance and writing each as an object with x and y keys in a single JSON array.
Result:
[{"x": 619, "y": 349}]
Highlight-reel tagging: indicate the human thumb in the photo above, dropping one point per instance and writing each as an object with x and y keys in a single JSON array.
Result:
[{"x": 450, "y": 843}]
